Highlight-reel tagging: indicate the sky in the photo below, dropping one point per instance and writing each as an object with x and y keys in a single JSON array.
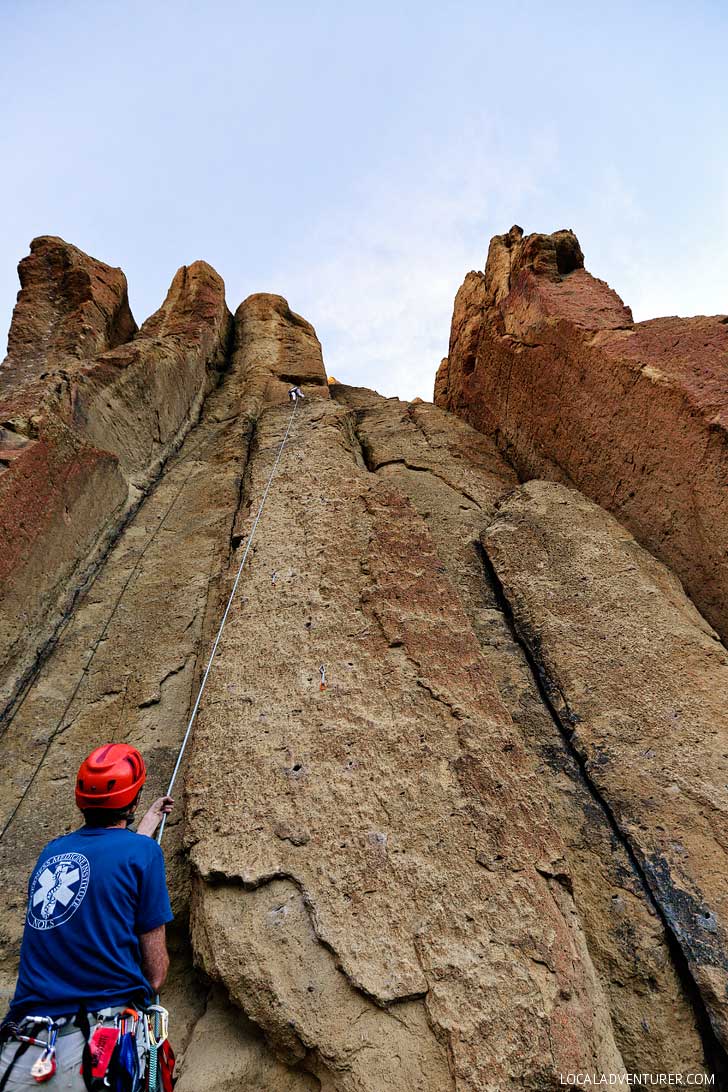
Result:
[{"x": 357, "y": 158}]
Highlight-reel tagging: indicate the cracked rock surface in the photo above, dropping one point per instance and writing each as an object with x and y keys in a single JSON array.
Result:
[
  {"x": 452, "y": 814},
  {"x": 637, "y": 680},
  {"x": 548, "y": 361},
  {"x": 419, "y": 870},
  {"x": 90, "y": 410},
  {"x": 456, "y": 478}
]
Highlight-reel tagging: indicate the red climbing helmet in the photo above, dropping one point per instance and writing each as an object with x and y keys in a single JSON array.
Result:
[{"x": 111, "y": 777}]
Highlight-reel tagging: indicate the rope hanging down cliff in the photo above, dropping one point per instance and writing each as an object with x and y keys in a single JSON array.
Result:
[{"x": 295, "y": 394}]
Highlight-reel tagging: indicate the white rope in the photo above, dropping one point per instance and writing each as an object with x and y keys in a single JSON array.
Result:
[{"x": 203, "y": 684}]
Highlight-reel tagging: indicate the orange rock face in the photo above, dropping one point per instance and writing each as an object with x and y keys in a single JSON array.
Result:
[{"x": 548, "y": 360}]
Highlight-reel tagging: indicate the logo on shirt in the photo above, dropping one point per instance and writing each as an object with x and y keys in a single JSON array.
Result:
[{"x": 58, "y": 890}]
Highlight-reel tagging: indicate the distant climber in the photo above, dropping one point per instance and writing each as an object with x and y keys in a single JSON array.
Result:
[
  {"x": 295, "y": 393},
  {"x": 94, "y": 938}
]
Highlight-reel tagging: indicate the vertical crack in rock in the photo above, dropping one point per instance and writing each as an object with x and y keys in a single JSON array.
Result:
[
  {"x": 91, "y": 397},
  {"x": 651, "y": 1008},
  {"x": 553, "y": 701},
  {"x": 633, "y": 674},
  {"x": 373, "y": 795}
]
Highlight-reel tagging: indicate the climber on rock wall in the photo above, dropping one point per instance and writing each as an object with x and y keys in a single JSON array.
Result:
[{"x": 94, "y": 939}]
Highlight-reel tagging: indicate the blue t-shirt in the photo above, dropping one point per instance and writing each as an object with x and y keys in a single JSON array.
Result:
[{"x": 92, "y": 893}]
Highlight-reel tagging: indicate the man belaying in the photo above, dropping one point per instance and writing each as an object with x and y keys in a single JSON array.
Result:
[{"x": 94, "y": 938}]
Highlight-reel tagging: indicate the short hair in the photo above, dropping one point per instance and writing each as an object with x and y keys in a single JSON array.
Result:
[{"x": 109, "y": 817}]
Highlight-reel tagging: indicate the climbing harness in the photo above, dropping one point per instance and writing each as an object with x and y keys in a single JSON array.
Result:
[
  {"x": 27, "y": 1034},
  {"x": 231, "y": 598}
]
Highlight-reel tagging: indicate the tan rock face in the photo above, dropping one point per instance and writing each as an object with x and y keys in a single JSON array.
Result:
[
  {"x": 126, "y": 667},
  {"x": 455, "y": 478},
  {"x": 276, "y": 349},
  {"x": 385, "y": 835},
  {"x": 135, "y": 400},
  {"x": 399, "y": 862},
  {"x": 637, "y": 679},
  {"x": 88, "y": 419},
  {"x": 547, "y": 359}
]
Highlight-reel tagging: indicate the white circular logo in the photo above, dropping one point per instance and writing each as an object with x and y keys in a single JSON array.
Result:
[{"x": 57, "y": 890}]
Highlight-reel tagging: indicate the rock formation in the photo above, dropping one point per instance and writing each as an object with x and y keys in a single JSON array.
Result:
[
  {"x": 89, "y": 412},
  {"x": 547, "y": 359},
  {"x": 454, "y": 805},
  {"x": 637, "y": 680}
]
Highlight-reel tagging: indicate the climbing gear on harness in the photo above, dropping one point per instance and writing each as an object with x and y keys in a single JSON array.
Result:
[
  {"x": 295, "y": 393},
  {"x": 111, "y": 777},
  {"x": 26, "y": 1036},
  {"x": 231, "y": 598},
  {"x": 161, "y": 1060},
  {"x": 126, "y": 1073},
  {"x": 322, "y": 673},
  {"x": 44, "y": 1067},
  {"x": 102, "y": 1044}
]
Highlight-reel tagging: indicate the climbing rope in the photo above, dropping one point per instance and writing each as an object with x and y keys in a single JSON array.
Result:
[{"x": 231, "y": 598}]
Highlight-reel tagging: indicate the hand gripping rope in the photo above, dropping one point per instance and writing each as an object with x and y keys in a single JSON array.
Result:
[{"x": 205, "y": 677}]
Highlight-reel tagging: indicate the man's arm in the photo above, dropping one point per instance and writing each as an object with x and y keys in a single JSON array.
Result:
[
  {"x": 155, "y": 960},
  {"x": 153, "y": 817}
]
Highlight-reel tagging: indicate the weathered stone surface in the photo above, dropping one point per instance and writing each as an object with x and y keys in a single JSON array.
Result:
[
  {"x": 276, "y": 349},
  {"x": 547, "y": 359},
  {"x": 455, "y": 477},
  {"x": 60, "y": 504},
  {"x": 149, "y": 615},
  {"x": 126, "y": 663},
  {"x": 226, "y": 1054},
  {"x": 70, "y": 308},
  {"x": 425, "y": 876},
  {"x": 136, "y": 400},
  {"x": 637, "y": 680},
  {"x": 395, "y": 883},
  {"x": 81, "y": 434}
]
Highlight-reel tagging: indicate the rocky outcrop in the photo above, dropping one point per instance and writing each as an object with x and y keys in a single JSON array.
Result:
[
  {"x": 70, "y": 308},
  {"x": 456, "y": 478},
  {"x": 636, "y": 679},
  {"x": 82, "y": 431},
  {"x": 275, "y": 350},
  {"x": 547, "y": 359},
  {"x": 401, "y": 860},
  {"x": 377, "y": 878},
  {"x": 136, "y": 400}
]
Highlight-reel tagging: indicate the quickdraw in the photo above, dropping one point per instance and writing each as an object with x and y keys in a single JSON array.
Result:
[{"x": 45, "y": 1065}]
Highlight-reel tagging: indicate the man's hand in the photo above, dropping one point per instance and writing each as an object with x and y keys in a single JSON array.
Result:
[{"x": 152, "y": 818}]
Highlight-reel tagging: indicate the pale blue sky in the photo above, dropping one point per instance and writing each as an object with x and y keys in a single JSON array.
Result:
[{"x": 356, "y": 158}]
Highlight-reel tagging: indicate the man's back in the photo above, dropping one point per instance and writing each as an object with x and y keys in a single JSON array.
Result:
[{"x": 90, "y": 897}]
